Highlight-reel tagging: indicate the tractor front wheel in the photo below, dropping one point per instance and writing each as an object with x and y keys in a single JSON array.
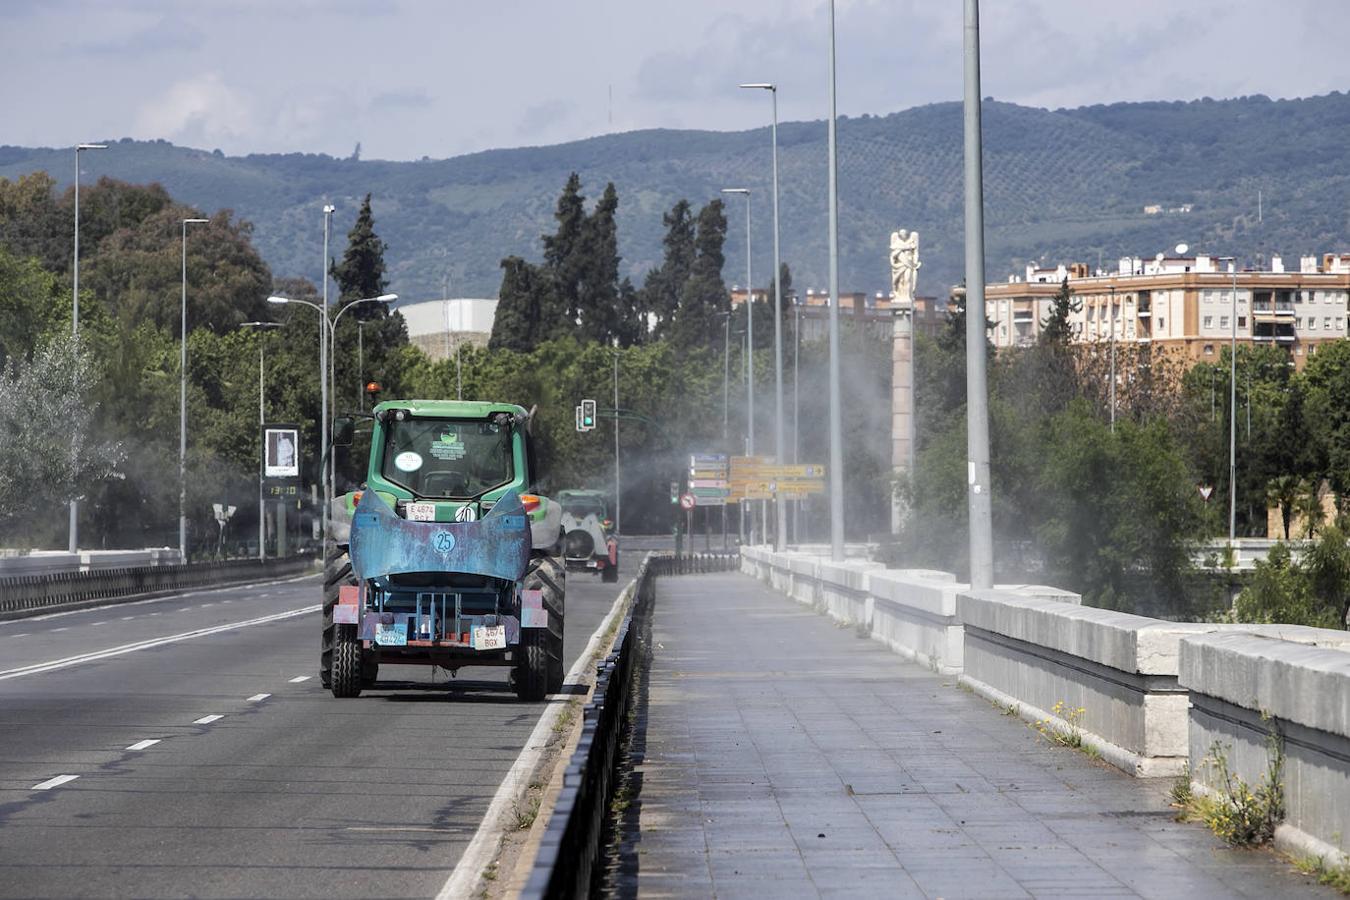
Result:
[{"x": 539, "y": 657}]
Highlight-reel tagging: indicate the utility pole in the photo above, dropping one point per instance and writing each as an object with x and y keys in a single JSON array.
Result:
[
  {"x": 618, "y": 529},
  {"x": 977, "y": 385},
  {"x": 836, "y": 401}
]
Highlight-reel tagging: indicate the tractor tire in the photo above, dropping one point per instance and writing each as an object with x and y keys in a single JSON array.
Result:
[
  {"x": 337, "y": 571},
  {"x": 532, "y": 666},
  {"x": 346, "y": 676},
  {"x": 547, "y": 574}
]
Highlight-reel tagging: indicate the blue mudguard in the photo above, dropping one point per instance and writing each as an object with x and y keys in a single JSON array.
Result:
[{"x": 497, "y": 546}]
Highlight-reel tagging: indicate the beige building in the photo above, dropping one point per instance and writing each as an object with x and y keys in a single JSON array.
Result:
[{"x": 1182, "y": 304}]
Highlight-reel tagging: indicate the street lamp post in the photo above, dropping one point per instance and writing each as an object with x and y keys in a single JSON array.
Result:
[
  {"x": 74, "y": 533},
  {"x": 327, "y": 331},
  {"x": 1113, "y": 358},
  {"x": 262, "y": 520},
  {"x": 749, "y": 325},
  {"x": 328, "y": 210},
  {"x": 618, "y": 503},
  {"x": 1232, "y": 408},
  {"x": 781, "y": 531},
  {"x": 182, "y": 403},
  {"x": 978, "y": 497},
  {"x": 836, "y": 401}
]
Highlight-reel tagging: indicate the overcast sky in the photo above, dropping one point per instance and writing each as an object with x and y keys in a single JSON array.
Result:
[{"x": 409, "y": 78}]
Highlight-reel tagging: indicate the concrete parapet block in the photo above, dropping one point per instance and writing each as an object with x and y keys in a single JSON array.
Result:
[{"x": 1277, "y": 690}]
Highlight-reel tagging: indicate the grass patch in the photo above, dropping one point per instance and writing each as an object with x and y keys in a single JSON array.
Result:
[
  {"x": 1337, "y": 877},
  {"x": 525, "y": 815}
]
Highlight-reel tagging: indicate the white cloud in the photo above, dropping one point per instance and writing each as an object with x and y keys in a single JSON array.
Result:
[{"x": 201, "y": 111}]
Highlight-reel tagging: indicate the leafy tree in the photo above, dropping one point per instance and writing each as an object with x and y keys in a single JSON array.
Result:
[
  {"x": 1283, "y": 492},
  {"x": 33, "y": 304},
  {"x": 49, "y": 451}
]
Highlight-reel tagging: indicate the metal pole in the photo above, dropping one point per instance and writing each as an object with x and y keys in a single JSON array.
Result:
[
  {"x": 182, "y": 404},
  {"x": 749, "y": 330},
  {"x": 617, "y": 484},
  {"x": 459, "y": 343},
  {"x": 262, "y": 523},
  {"x": 796, "y": 411},
  {"x": 977, "y": 398},
  {"x": 323, "y": 380},
  {"x": 360, "y": 364},
  {"x": 726, "y": 380},
  {"x": 781, "y": 535},
  {"x": 1113, "y": 359},
  {"x": 836, "y": 403},
  {"x": 1232, "y": 417},
  {"x": 73, "y": 538}
]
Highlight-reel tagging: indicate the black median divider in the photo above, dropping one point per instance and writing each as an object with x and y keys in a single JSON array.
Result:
[
  {"x": 27, "y": 595},
  {"x": 566, "y": 864}
]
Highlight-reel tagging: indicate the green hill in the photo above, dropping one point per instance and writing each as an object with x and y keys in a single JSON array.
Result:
[{"x": 1062, "y": 184}]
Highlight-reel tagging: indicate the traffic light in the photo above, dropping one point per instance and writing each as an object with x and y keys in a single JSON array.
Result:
[{"x": 587, "y": 415}]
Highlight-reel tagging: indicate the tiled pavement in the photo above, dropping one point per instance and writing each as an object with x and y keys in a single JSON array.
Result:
[{"x": 787, "y": 757}]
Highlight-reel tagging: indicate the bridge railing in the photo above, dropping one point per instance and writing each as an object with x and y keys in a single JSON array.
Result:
[
  {"x": 567, "y": 861},
  {"x": 1150, "y": 696},
  {"x": 32, "y": 594}
]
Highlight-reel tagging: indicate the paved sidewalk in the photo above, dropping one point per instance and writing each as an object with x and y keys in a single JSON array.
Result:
[{"x": 786, "y": 757}]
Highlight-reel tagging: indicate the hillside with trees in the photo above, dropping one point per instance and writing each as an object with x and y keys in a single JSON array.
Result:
[{"x": 1061, "y": 184}]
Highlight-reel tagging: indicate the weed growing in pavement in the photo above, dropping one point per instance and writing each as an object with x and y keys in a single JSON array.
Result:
[
  {"x": 1070, "y": 734},
  {"x": 525, "y": 816},
  {"x": 1181, "y": 792},
  {"x": 1242, "y": 815},
  {"x": 1337, "y": 877}
]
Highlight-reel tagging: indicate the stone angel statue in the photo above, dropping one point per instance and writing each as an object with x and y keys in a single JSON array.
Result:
[{"x": 904, "y": 266}]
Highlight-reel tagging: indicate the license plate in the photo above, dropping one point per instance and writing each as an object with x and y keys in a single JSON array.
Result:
[
  {"x": 421, "y": 512},
  {"x": 392, "y": 635},
  {"x": 489, "y": 637}
]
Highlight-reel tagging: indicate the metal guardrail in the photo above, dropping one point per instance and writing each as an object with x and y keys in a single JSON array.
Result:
[
  {"x": 38, "y": 592},
  {"x": 566, "y": 864}
]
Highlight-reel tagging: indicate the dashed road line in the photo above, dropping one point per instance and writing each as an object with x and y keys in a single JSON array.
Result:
[
  {"x": 257, "y": 698},
  {"x": 299, "y": 678},
  {"x": 54, "y": 782},
  {"x": 100, "y": 622},
  {"x": 207, "y": 720},
  {"x": 22, "y": 634},
  {"x": 145, "y": 744},
  {"x": 66, "y": 628},
  {"x": 127, "y": 618}
]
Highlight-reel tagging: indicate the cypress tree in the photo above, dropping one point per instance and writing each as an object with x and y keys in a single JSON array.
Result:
[
  {"x": 361, "y": 272},
  {"x": 523, "y": 307},
  {"x": 598, "y": 270},
  {"x": 564, "y": 257},
  {"x": 660, "y": 296},
  {"x": 703, "y": 295}
]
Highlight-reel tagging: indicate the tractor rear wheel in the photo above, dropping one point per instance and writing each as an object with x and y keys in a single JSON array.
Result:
[
  {"x": 347, "y": 669},
  {"x": 337, "y": 571},
  {"x": 543, "y": 647}
]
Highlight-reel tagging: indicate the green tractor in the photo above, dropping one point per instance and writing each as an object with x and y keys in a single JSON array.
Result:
[{"x": 444, "y": 557}]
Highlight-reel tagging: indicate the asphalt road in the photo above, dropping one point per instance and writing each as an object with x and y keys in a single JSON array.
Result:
[{"x": 215, "y": 765}]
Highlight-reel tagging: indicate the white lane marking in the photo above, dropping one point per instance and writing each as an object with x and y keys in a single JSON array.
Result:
[
  {"x": 207, "y": 720},
  {"x": 154, "y": 613},
  {"x": 54, "y": 782},
  {"x": 205, "y": 605},
  {"x": 100, "y": 622},
  {"x": 257, "y": 698},
  {"x": 37, "y": 668},
  {"x": 299, "y": 678},
  {"x": 20, "y": 634},
  {"x": 169, "y": 599},
  {"x": 67, "y": 628},
  {"x": 463, "y": 881},
  {"x": 227, "y": 601},
  {"x": 145, "y": 744},
  {"x": 127, "y": 618}
]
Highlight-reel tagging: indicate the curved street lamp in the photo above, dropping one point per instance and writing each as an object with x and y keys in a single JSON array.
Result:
[{"x": 325, "y": 377}]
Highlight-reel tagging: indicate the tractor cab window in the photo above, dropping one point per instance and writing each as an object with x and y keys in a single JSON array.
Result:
[{"x": 451, "y": 459}]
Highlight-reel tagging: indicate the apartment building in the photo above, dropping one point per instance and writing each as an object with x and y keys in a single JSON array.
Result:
[{"x": 1184, "y": 304}]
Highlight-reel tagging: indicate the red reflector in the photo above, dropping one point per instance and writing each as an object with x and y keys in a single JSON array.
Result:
[{"x": 530, "y": 501}]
